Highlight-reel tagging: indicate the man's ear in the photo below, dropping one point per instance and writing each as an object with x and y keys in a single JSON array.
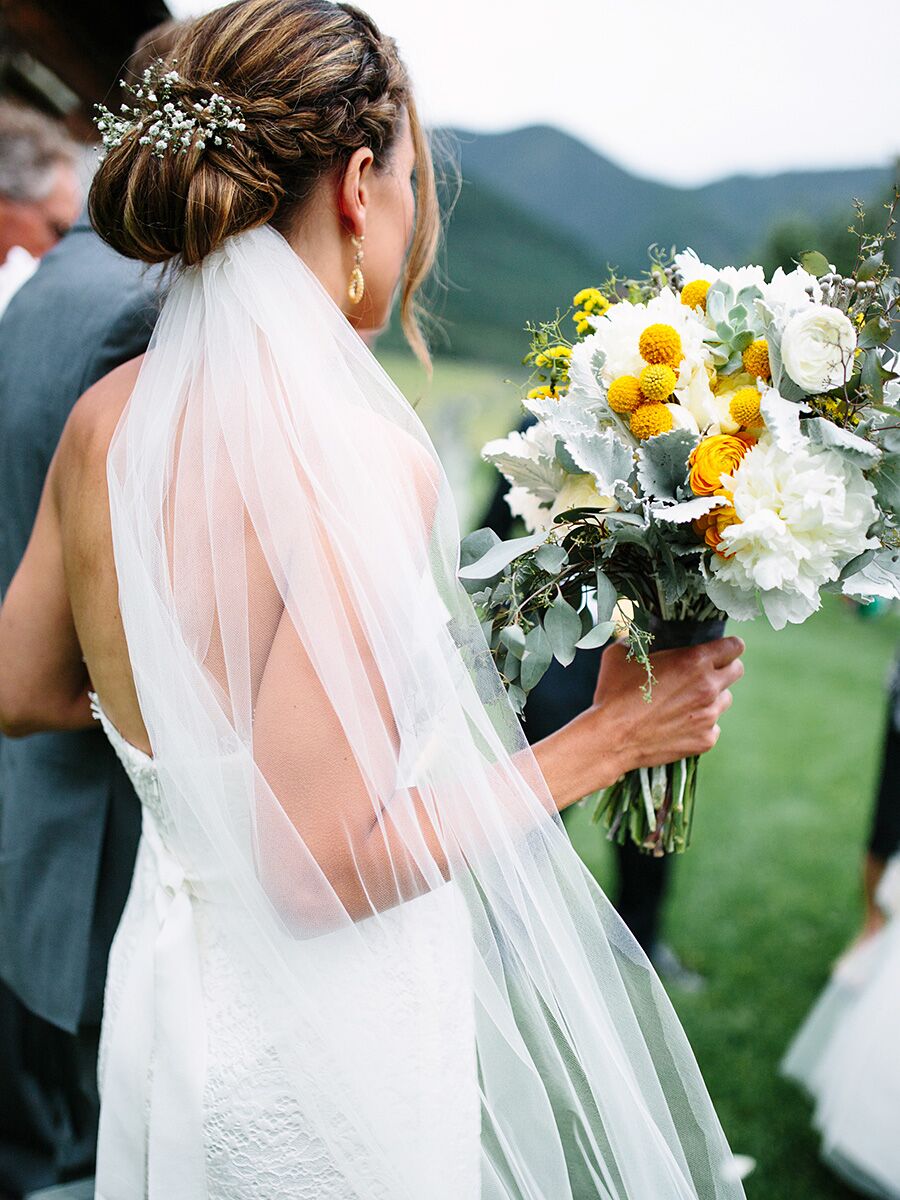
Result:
[{"x": 353, "y": 194}]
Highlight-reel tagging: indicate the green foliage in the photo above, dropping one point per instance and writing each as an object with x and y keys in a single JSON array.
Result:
[{"x": 784, "y": 804}]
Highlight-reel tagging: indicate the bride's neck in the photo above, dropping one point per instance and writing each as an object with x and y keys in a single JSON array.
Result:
[{"x": 323, "y": 244}]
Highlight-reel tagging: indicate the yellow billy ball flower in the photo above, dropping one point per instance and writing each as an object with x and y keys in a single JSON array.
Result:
[
  {"x": 553, "y": 354},
  {"x": 714, "y": 457},
  {"x": 756, "y": 359},
  {"x": 625, "y": 394},
  {"x": 661, "y": 344},
  {"x": 744, "y": 406},
  {"x": 694, "y": 294},
  {"x": 657, "y": 382},
  {"x": 592, "y": 300},
  {"x": 651, "y": 419},
  {"x": 545, "y": 392}
]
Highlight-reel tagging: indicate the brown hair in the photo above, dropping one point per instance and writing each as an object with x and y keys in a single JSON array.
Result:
[{"x": 314, "y": 81}]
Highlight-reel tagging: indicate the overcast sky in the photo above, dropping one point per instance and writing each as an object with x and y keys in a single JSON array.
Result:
[{"x": 681, "y": 90}]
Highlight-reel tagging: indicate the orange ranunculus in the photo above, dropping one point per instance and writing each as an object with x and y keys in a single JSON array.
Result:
[
  {"x": 712, "y": 526},
  {"x": 714, "y": 457}
]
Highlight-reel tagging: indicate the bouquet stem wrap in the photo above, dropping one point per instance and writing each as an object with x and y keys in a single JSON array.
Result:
[{"x": 654, "y": 806}]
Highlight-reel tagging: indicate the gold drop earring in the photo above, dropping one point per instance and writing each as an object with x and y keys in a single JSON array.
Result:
[{"x": 357, "y": 288}]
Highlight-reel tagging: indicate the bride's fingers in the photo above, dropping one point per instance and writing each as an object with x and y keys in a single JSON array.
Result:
[
  {"x": 730, "y": 674},
  {"x": 725, "y": 701},
  {"x": 724, "y": 651}
]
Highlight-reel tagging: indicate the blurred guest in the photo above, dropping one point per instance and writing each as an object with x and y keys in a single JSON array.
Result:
[
  {"x": 69, "y": 819},
  {"x": 40, "y": 194},
  {"x": 847, "y": 1056},
  {"x": 642, "y": 879},
  {"x": 847, "y": 1053},
  {"x": 884, "y": 840}
]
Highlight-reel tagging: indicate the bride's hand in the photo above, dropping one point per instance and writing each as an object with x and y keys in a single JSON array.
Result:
[{"x": 622, "y": 730}]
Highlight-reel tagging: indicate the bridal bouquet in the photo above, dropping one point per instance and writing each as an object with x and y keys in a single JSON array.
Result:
[{"x": 706, "y": 444}]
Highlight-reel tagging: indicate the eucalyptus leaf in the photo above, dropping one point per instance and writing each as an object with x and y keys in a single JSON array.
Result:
[
  {"x": 607, "y": 597},
  {"x": 475, "y": 545},
  {"x": 517, "y": 697},
  {"x": 875, "y": 332},
  {"x": 500, "y": 555},
  {"x": 874, "y": 376},
  {"x": 815, "y": 262},
  {"x": 886, "y": 478},
  {"x": 538, "y": 656},
  {"x": 598, "y": 636},
  {"x": 562, "y": 625},
  {"x": 871, "y": 267},
  {"x": 551, "y": 558},
  {"x": 511, "y": 666},
  {"x": 513, "y": 638}
]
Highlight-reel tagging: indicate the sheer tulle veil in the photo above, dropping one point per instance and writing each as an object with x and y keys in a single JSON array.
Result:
[{"x": 340, "y": 769}]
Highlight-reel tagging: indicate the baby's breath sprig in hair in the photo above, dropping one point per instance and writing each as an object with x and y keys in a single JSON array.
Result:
[{"x": 164, "y": 120}]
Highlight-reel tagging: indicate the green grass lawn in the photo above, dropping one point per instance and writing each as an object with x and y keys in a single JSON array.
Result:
[{"x": 768, "y": 894}]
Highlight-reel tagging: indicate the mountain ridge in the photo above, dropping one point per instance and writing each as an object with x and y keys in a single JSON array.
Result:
[{"x": 540, "y": 214}]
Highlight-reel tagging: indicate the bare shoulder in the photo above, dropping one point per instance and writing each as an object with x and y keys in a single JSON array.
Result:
[{"x": 94, "y": 417}]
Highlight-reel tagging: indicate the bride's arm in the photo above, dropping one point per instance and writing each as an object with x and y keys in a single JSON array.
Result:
[
  {"x": 43, "y": 680},
  {"x": 345, "y": 821}
]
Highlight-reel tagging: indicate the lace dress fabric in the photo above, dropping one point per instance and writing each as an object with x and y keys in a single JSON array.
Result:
[{"x": 259, "y": 1143}]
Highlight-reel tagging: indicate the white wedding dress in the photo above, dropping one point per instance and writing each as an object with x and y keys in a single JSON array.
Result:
[
  {"x": 360, "y": 959},
  {"x": 257, "y": 1141},
  {"x": 847, "y": 1057}
]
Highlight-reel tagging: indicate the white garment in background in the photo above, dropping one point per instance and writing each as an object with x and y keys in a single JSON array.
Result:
[
  {"x": 847, "y": 1056},
  {"x": 18, "y": 269}
]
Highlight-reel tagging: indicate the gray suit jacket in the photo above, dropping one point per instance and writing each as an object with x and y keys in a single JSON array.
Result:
[{"x": 69, "y": 820}]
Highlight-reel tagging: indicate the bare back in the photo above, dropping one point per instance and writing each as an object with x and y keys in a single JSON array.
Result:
[{"x": 83, "y": 505}]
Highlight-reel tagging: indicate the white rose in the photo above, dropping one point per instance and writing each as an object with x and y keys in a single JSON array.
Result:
[
  {"x": 708, "y": 412},
  {"x": 817, "y": 348}
]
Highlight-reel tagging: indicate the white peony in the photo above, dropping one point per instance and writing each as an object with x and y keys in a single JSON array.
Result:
[
  {"x": 788, "y": 292},
  {"x": 801, "y": 517},
  {"x": 817, "y": 348},
  {"x": 690, "y": 268}
]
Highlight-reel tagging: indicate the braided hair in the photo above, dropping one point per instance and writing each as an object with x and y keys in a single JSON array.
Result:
[{"x": 314, "y": 81}]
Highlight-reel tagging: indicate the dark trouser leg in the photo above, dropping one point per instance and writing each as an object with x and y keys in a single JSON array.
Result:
[
  {"x": 48, "y": 1107},
  {"x": 641, "y": 890},
  {"x": 885, "y": 837}
]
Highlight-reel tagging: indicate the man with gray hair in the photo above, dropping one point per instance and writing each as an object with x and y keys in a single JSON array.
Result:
[{"x": 40, "y": 193}]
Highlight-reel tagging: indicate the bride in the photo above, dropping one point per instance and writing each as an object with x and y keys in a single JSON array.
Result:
[{"x": 360, "y": 958}]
